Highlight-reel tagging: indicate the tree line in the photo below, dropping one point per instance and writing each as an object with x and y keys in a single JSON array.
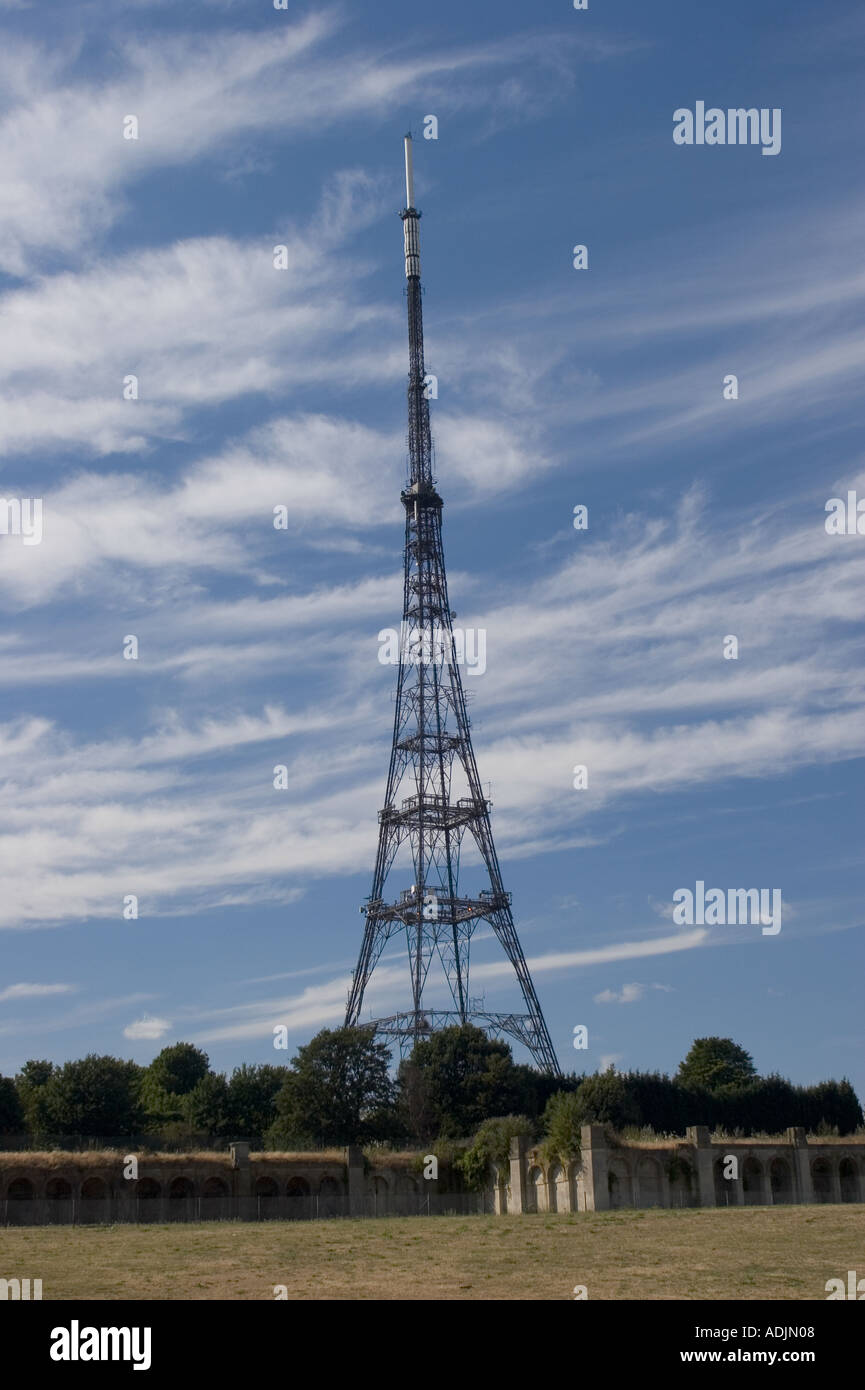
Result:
[{"x": 455, "y": 1085}]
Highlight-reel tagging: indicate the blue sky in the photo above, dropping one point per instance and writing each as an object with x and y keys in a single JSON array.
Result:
[{"x": 557, "y": 387}]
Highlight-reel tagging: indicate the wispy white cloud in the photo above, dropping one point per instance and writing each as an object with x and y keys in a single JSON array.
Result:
[
  {"x": 24, "y": 991},
  {"x": 628, "y": 994},
  {"x": 147, "y": 1028},
  {"x": 67, "y": 168}
]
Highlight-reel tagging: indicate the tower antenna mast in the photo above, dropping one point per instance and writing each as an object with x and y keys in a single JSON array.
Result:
[{"x": 425, "y": 814}]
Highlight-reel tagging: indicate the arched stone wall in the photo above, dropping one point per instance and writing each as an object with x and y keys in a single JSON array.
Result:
[
  {"x": 535, "y": 1181},
  {"x": 821, "y": 1179},
  {"x": 649, "y": 1183},
  {"x": 781, "y": 1181},
  {"x": 559, "y": 1188},
  {"x": 850, "y": 1179},
  {"x": 753, "y": 1181},
  {"x": 619, "y": 1183},
  {"x": 330, "y": 1197},
  {"x": 682, "y": 1182}
]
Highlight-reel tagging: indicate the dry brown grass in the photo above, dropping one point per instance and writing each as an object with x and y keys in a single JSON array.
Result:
[
  {"x": 100, "y": 1158},
  {"x": 218, "y": 1158},
  {"x": 298, "y": 1156},
  {"x": 750, "y": 1253},
  {"x": 672, "y": 1141}
]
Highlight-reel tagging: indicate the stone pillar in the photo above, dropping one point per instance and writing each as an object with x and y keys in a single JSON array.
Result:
[
  {"x": 593, "y": 1143},
  {"x": 543, "y": 1188},
  {"x": 242, "y": 1169},
  {"x": 517, "y": 1188},
  {"x": 356, "y": 1180},
  {"x": 801, "y": 1163},
  {"x": 834, "y": 1165},
  {"x": 566, "y": 1191},
  {"x": 698, "y": 1137}
]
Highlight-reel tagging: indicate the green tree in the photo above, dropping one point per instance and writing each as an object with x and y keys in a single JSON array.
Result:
[
  {"x": 458, "y": 1077},
  {"x": 30, "y": 1083},
  {"x": 206, "y": 1107},
  {"x": 11, "y": 1109},
  {"x": 606, "y": 1099},
  {"x": 491, "y": 1145},
  {"x": 251, "y": 1098},
  {"x": 171, "y": 1077},
  {"x": 562, "y": 1120},
  {"x": 177, "y": 1069},
  {"x": 712, "y": 1063},
  {"x": 96, "y": 1096},
  {"x": 338, "y": 1091}
]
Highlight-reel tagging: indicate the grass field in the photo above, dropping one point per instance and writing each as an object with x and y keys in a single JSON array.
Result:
[{"x": 755, "y": 1252}]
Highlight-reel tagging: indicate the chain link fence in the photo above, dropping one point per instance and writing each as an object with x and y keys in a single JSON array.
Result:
[{"x": 111, "y": 1211}]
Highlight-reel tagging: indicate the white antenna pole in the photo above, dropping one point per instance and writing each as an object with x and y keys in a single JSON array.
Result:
[
  {"x": 410, "y": 217},
  {"x": 409, "y": 174}
]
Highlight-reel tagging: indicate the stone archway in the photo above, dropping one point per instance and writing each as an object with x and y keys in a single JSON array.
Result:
[
  {"x": 20, "y": 1190},
  {"x": 181, "y": 1199},
  {"x": 58, "y": 1192},
  {"x": 266, "y": 1193},
  {"x": 848, "y": 1177},
  {"x": 542, "y": 1189},
  {"x": 22, "y": 1209},
  {"x": 534, "y": 1179},
  {"x": 821, "y": 1180},
  {"x": 330, "y": 1198},
  {"x": 752, "y": 1182},
  {"x": 619, "y": 1183},
  {"x": 215, "y": 1199},
  {"x": 681, "y": 1179},
  {"x": 557, "y": 1188},
  {"x": 781, "y": 1181},
  {"x": 297, "y": 1195},
  {"x": 148, "y": 1207},
  {"x": 94, "y": 1196},
  {"x": 650, "y": 1190}
]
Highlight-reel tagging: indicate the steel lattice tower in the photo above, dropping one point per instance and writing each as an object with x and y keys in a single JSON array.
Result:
[{"x": 432, "y": 743}]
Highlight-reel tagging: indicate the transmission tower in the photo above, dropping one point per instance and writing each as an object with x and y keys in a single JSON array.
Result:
[{"x": 433, "y": 761}]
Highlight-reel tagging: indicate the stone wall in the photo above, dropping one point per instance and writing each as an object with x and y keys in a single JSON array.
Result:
[
  {"x": 692, "y": 1172},
  {"x": 74, "y": 1186}
]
